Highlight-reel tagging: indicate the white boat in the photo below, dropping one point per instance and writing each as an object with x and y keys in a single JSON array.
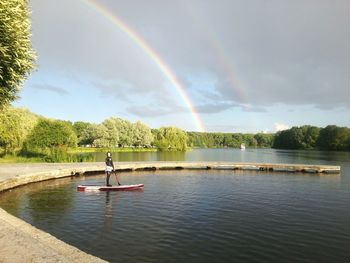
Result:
[{"x": 242, "y": 147}]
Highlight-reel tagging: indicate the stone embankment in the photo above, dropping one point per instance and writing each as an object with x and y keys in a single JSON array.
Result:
[{"x": 21, "y": 242}]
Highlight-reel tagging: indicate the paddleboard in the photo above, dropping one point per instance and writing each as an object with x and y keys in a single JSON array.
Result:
[{"x": 110, "y": 188}]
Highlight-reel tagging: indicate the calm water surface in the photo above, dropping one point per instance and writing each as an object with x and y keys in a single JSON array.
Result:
[{"x": 200, "y": 216}]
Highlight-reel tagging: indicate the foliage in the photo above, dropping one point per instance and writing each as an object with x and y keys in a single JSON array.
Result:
[
  {"x": 221, "y": 140},
  {"x": 61, "y": 154},
  {"x": 10, "y": 158},
  {"x": 170, "y": 139},
  {"x": 310, "y": 137},
  {"x": 303, "y": 137},
  {"x": 125, "y": 130},
  {"x": 112, "y": 133},
  {"x": 80, "y": 128},
  {"x": 51, "y": 133},
  {"x": 37, "y": 138},
  {"x": 116, "y": 127},
  {"x": 142, "y": 135},
  {"x": 95, "y": 135},
  {"x": 15, "y": 125},
  {"x": 113, "y": 150},
  {"x": 334, "y": 138},
  {"x": 16, "y": 54},
  {"x": 264, "y": 140}
]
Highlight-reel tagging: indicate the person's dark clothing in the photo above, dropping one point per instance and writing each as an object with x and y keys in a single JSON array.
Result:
[
  {"x": 109, "y": 169},
  {"x": 109, "y": 162}
]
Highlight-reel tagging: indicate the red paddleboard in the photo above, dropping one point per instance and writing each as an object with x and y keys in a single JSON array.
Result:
[{"x": 110, "y": 188}]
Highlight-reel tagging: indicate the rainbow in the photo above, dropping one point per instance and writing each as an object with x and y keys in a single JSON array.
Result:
[
  {"x": 155, "y": 57},
  {"x": 226, "y": 65}
]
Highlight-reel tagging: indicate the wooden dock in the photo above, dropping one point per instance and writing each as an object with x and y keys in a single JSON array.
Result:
[
  {"x": 13, "y": 175},
  {"x": 267, "y": 167}
]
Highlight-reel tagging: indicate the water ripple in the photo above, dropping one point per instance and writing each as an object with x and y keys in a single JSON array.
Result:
[{"x": 191, "y": 216}]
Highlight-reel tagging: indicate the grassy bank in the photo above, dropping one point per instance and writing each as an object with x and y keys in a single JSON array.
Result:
[
  {"x": 97, "y": 150},
  {"x": 79, "y": 154},
  {"x": 20, "y": 159}
]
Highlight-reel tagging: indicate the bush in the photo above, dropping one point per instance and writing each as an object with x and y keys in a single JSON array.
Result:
[{"x": 49, "y": 134}]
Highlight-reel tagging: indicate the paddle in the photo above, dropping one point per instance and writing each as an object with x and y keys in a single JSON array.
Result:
[{"x": 116, "y": 177}]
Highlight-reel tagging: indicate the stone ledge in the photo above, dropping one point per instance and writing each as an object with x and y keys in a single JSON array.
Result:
[{"x": 21, "y": 242}]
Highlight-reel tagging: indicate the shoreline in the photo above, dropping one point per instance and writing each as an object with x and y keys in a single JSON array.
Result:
[{"x": 22, "y": 242}]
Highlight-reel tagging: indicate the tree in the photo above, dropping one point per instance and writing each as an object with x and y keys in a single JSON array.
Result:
[
  {"x": 113, "y": 126},
  {"x": 170, "y": 139},
  {"x": 334, "y": 138},
  {"x": 142, "y": 135},
  {"x": 80, "y": 127},
  {"x": 51, "y": 133},
  {"x": 120, "y": 131},
  {"x": 94, "y": 134},
  {"x": 15, "y": 125},
  {"x": 264, "y": 139},
  {"x": 16, "y": 54},
  {"x": 289, "y": 139},
  {"x": 311, "y": 134}
]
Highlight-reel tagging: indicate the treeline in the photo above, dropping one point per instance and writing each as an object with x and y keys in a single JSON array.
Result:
[
  {"x": 310, "y": 137},
  {"x": 23, "y": 132},
  {"x": 234, "y": 140}
]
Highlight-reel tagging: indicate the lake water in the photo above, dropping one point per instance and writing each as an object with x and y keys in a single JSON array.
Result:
[{"x": 200, "y": 216}]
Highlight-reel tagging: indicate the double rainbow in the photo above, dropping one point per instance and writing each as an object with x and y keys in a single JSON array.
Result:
[{"x": 152, "y": 54}]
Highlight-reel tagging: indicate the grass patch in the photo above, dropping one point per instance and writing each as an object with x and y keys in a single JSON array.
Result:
[
  {"x": 20, "y": 159},
  {"x": 57, "y": 155},
  {"x": 96, "y": 150}
]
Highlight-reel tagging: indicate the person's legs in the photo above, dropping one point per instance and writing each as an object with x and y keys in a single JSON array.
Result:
[{"x": 107, "y": 179}]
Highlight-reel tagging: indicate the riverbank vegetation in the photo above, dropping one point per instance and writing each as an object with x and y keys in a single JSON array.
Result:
[
  {"x": 332, "y": 138},
  {"x": 233, "y": 140},
  {"x": 24, "y": 134}
]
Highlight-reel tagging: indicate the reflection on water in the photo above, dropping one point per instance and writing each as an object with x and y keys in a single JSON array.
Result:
[
  {"x": 233, "y": 155},
  {"x": 142, "y": 156},
  {"x": 201, "y": 216}
]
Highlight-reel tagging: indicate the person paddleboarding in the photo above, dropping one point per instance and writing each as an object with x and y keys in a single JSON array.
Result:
[{"x": 110, "y": 169}]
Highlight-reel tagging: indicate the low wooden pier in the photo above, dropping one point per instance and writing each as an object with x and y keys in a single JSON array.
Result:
[
  {"x": 13, "y": 175},
  {"x": 270, "y": 167}
]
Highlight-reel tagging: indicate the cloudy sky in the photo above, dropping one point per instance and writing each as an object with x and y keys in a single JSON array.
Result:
[{"x": 245, "y": 65}]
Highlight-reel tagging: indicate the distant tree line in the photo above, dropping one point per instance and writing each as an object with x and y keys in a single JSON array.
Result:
[
  {"x": 221, "y": 140},
  {"x": 310, "y": 137},
  {"x": 22, "y": 131}
]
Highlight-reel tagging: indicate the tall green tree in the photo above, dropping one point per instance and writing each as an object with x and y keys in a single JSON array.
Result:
[
  {"x": 310, "y": 136},
  {"x": 304, "y": 137},
  {"x": 264, "y": 139},
  {"x": 16, "y": 54},
  {"x": 51, "y": 133},
  {"x": 334, "y": 138},
  {"x": 15, "y": 125},
  {"x": 79, "y": 128},
  {"x": 98, "y": 135},
  {"x": 114, "y": 128},
  {"x": 170, "y": 139},
  {"x": 91, "y": 134},
  {"x": 142, "y": 135}
]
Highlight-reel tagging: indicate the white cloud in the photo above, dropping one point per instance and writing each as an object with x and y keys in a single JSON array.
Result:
[
  {"x": 232, "y": 56},
  {"x": 281, "y": 127}
]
